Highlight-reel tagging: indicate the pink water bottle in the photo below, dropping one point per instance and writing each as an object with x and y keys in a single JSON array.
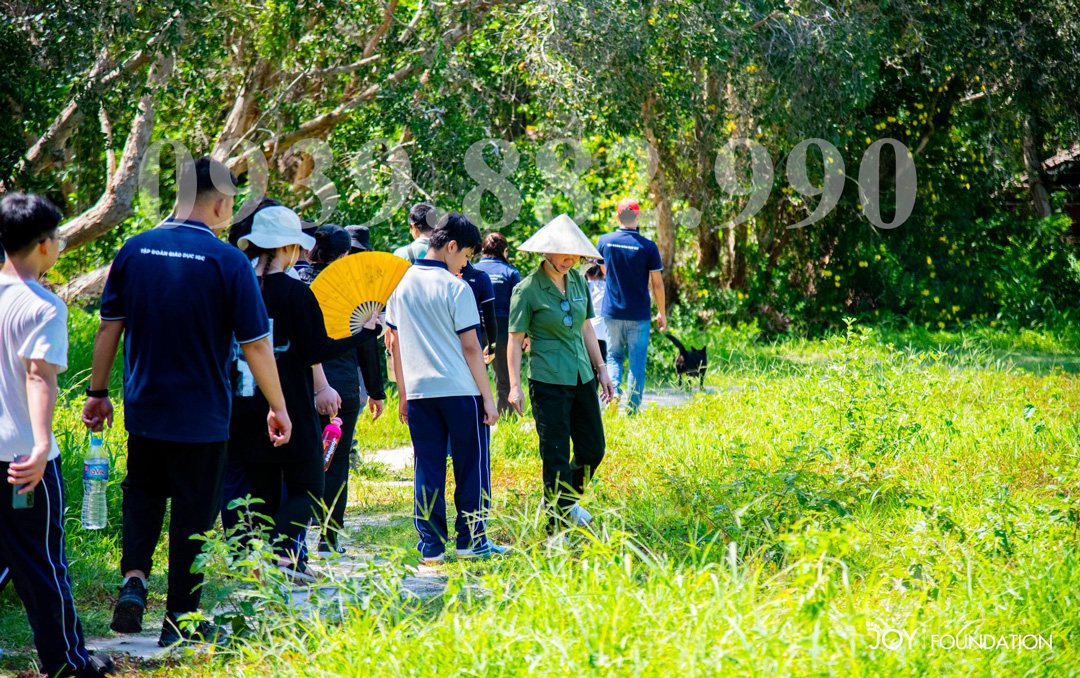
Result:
[{"x": 330, "y": 438}]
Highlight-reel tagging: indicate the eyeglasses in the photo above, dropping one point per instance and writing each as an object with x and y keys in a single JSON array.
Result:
[
  {"x": 568, "y": 319},
  {"x": 61, "y": 241}
]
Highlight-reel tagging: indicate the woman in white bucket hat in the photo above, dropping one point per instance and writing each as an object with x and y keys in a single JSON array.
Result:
[
  {"x": 552, "y": 307},
  {"x": 298, "y": 334}
]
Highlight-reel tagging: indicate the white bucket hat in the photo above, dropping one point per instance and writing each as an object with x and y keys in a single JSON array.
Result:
[
  {"x": 276, "y": 226},
  {"x": 561, "y": 236}
]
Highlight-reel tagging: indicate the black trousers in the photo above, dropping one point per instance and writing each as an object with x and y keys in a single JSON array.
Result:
[
  {"x": 303, "y": 485},
  {"x": 502, "y": 370},
  {"x": 566, "y": 414},
  {"x": 603, "y": 349},
  {"x": 336, "y": 491},
  {"x": 191, "y": 474},
  {"x": 32, "y": 555}
]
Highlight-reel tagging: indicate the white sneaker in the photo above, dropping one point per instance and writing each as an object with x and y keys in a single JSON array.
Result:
[
  {"x": 579, "y": 516},
  {"x": 296, "y": 576},
  {"x": 486, "y": 551},
  {"x": 433, "y": 561},
  {"x": 558, "y": 542}
]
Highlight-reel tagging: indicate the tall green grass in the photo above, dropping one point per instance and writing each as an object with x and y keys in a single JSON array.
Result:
[{"x": 819, "y": 491}]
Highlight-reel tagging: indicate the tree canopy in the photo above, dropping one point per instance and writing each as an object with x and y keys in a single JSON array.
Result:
[{"x": 733, "y": 121}]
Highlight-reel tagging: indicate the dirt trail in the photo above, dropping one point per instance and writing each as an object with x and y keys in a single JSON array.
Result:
[{"x": 423, "y": 585}]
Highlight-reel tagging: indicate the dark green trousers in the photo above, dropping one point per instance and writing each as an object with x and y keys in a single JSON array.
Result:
[{"x": 564, "y": 414}]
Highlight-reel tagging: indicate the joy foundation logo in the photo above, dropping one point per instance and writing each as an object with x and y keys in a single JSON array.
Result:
[{"x": 894, "y": 639}]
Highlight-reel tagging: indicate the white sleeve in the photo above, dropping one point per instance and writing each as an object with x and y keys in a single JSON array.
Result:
[
  {"x": 48, "y": 340},
  {"x": 391, "y": 310},
  {"x": 463, "y": 306}
]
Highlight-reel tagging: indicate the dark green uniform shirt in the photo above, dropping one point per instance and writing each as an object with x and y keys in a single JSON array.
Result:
[{"x": 557, "y": 352}]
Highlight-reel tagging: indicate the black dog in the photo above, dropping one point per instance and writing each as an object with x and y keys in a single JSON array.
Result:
[{"x": 692, "y": 362}]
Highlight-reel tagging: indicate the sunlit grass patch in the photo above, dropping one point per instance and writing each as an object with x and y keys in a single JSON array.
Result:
[{"x": 818, "y": 491}]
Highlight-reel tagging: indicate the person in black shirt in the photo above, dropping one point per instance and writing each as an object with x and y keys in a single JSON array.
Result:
[
  {"x": 343, "y": 373},
  {"x": 300, "y": 341}
]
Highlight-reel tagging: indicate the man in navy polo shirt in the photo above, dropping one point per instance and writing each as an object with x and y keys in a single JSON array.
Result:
[
  {"x": 632, "y": 267},
  {"x": 178, "y": 295}
]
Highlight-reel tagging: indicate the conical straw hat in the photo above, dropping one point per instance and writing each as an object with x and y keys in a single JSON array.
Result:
[{"x": 561, "y": 236}]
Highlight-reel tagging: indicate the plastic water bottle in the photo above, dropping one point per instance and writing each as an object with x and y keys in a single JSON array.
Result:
[
  {"x": 330, "y": 438},
  {"x": 95, "y": 480}
]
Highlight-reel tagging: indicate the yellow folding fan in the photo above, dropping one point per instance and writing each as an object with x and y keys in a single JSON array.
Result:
[{"x": 353, "y": 287}]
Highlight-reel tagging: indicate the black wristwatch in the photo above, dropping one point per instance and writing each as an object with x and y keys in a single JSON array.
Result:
[{"x": 101, "y": 393}]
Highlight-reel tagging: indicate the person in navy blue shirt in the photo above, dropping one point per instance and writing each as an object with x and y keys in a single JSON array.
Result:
[
  {"x": 632, "y": 267},
  {"x": 482, "y": 290},
  {"x": 504, "y": 277},
  {"x": 178, "y": 295}
]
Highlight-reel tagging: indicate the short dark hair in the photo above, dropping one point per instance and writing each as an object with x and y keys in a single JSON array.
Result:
[
  {"x": 420, "y": 216},
  {"x": 594, "y": 272},
  {"x": 627, "y": 217},
  {"x": 457, "y": 227},
  {"x": 25, "y": 219},
  {"x": 201, "y": 173}
]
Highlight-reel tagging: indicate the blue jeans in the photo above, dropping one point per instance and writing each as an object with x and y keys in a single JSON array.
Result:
[{"x": 628, "y": 339}]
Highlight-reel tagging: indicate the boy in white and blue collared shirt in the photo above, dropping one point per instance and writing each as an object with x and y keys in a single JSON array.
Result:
[{"x": 445, "y": 396}]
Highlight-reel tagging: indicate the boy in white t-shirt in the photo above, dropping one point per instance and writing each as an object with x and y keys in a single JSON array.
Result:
[
  {"x": 445, "y": 395},
  {"x": 33, "y": 350}
]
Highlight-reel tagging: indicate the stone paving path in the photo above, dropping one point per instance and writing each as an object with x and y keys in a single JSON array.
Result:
[{"x": 423, "y": 585}]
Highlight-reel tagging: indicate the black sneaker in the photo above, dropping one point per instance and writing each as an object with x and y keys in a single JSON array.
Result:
[
  {"x": 326, "y": 548},
  {"x": 175, "y": 632},
  {"x": 100, "y": 665},
  {"x": 127, "y": 617}
]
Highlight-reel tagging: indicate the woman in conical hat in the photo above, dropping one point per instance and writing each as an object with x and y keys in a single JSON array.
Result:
[{"x": 551, "y": 307}]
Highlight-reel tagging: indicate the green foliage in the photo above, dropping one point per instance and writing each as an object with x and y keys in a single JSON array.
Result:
[
  {"x": 820, "y": 490},
  {"x": 255, "y": 601},
  {"x": 684, "y": 77},
  {"x": 82, "y": 330}
]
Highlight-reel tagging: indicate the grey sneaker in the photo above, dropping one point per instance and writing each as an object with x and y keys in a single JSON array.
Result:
[
  {"x": 558, "y": 542},
  {"x": 579, "y": 516},
  {"x": 488, "y": 550},
  {"x": 98, "y": 666}
]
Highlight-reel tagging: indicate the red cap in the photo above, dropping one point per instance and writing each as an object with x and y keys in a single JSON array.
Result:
[{"x": 627, "y": 204}]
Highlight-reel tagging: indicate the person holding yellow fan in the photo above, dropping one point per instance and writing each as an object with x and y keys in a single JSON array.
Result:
[
  {"x": 343, "y": 374},
  {"x": 299, "y": 337}
]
